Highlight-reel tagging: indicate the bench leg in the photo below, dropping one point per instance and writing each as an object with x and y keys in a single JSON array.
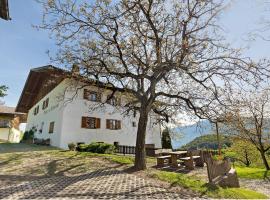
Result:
[
  {"x": 189, "y": 164},
  {"x": 160, "y": 163},
  {"x": 199, "y": 162},
  {"x": 174, "y": 161}
]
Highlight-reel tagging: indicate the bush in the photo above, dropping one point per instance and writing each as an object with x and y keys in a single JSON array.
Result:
[
  {"x": 28, "y": 135},
  {"x": 95, "y": 147},
  {"x": 72, "y": 146},
  {"x": 82, "y": 147}
]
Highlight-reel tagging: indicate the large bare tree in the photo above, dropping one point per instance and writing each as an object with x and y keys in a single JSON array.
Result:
[{"x": 167, "y": 56}]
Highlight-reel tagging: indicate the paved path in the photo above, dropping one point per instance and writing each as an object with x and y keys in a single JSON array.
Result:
[
  {"x": 100, "y": 184},
  {"x": 262, "y": 186}
]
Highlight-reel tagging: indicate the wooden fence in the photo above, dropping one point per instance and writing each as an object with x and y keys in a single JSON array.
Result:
[
  {"x": 131, "y": 150},
  {"x": 125, "y": 149}
]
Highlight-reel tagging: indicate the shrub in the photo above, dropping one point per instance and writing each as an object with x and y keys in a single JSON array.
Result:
[
  {"x": 28, "y": 135},
  {"x": 166, "y": 139},
  {"x": 72, "y": 146},
  {"x": 82, "y": 147},
  {"x": 95, "y": 147}
]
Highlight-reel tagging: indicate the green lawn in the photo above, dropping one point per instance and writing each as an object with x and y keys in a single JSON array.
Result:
[
  {"x": 203, "y": 188},
  {"x": 252, "y": 173}
]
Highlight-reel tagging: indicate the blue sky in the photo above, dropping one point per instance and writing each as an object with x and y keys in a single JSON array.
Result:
[{"x": 22, "y": 47}]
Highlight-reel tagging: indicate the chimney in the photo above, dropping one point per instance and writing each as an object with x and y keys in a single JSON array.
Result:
[{"x": 75, "y": 70}]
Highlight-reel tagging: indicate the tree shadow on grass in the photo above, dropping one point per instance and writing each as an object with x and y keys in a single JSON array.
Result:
[
  {"x": 23, "y": 147},
  {"x": 13, "y": 158}
]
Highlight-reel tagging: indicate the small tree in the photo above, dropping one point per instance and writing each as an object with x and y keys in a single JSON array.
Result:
[
  {"x": 250, "y": 120},
  {"x": 3, "y": 90},
  {"x": 166, "y": 139},
  {"x": 243, "y": 151}
]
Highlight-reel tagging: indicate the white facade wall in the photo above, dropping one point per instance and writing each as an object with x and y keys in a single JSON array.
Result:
[
  {"x": 53, "y": 113},
  {"x": 68, "y": 115}
]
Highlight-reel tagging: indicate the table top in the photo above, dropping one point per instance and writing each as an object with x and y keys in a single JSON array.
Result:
[{"x": 178, "y": 152}]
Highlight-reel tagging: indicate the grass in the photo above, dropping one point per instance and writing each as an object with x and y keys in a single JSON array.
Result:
[
  {"x": 252, "y": 173},
  {"x": 203, "y": 188},
  {"x": 13, "y": 156},
  {"x": 21, "y": 147}
]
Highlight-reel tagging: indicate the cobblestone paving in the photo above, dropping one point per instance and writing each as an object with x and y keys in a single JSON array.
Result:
[{"x": 100, "y": 184}]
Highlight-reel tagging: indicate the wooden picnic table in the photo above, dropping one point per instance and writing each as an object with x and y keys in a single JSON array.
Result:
[{"x": 175, "y": 155}]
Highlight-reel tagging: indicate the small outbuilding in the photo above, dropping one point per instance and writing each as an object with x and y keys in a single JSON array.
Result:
[{"x": 10, "y": 124}]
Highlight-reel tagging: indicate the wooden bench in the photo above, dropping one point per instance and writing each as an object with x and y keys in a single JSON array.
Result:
[
  {"x": 188, "y": 161},
  {"x": 161, "y": 160},
  {"x": 162, "y": 152}
]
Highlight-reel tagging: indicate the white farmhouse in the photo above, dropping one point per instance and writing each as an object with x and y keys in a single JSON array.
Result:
[{"x": 66, "y": 111}]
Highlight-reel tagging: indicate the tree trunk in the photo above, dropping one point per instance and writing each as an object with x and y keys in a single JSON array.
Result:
[
  {"x": 218, "y": 139},
  {"x": 264, "y": 160},
  {"x": 140, "y": 161}
]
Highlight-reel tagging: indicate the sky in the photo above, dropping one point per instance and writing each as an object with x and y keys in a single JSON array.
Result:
[{"x": 22, "y": 47}]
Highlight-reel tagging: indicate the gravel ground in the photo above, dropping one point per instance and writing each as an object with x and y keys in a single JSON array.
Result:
[{"x": 262, "y": 186}]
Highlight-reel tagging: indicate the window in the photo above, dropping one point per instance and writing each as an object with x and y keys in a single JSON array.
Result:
[
  {"x": 134, "y": 124},
  {"x": 36, "y": 110},
  {"x": 51, "y": 127},
  {"x": 134, "y": 113},
  {"x": 45, "y": 104},
  {"x": 90, "y": 122},
  {"x": 113, "y": 124},
  {"x": 41, "y": 127},
  {"x": 91, "y": 95},
  {"x": 4, "y": 123}
]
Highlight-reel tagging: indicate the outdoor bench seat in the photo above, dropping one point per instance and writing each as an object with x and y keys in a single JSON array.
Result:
[
  {"x": 188, "y": 158},
  {"x": 162, "y": 159}
]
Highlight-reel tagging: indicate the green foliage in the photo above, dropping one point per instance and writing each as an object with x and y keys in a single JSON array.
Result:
[
  {"x": 166, "y": 139},
  {"x": 72, "y": 146},
  {"x": 95, "y": 147},
  {"x": 208, "y": 141},
  {"x": 243, "y": 152},
  {"x": 28, "y": 135},
  {"x": 205, "y": 189},
  {"x": 3, "y": 90}
]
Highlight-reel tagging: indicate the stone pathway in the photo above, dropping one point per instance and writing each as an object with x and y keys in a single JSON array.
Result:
[
  {"x": 262, "y": 186},
  {"x": 99, "y": 184}
]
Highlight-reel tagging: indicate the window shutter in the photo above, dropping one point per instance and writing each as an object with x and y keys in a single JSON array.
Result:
[
  {"x": 107, "y": 123},
  {"x": 47, "y": 102},
  {"x": 97, "y": 122},
  {"x": 98, "y": 97},
  {"x": 83, "y": 122},
  {"x": 85, "y": 94},
  {"x": 118, "y": 124}
]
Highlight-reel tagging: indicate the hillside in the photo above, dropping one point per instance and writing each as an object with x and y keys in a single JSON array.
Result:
[
  {"x": 208, "y": 142},
  {"x": 190, "y": 132}
]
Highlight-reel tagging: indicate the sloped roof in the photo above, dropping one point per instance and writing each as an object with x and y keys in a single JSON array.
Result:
[
  {"x": 4, "y": 11},
  {"x": 40, "y": 81},
  {"x": 7, "y": 110}
]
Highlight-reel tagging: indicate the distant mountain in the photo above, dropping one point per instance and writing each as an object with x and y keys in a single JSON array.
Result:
[
  {"x": 209, "y": 141},
  {"x": 190, "y": 132}
]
